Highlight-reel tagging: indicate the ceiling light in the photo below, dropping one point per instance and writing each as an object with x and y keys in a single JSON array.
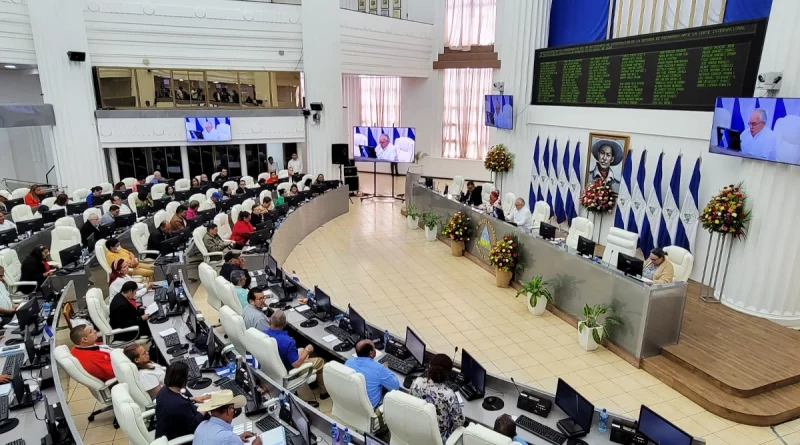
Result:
[
  {"x": 180, "y": 80},
  {"x": 11, "y": 67}
]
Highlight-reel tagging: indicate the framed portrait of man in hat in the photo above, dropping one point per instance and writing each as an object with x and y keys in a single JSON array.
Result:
[{"x": 606, "y": 154}]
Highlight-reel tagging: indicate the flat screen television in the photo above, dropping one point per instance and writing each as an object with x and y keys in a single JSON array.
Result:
[
  {"x": 212, "y": 129},
  {"x": 387, "y": 144},
  {"x": 763, "y": 128},
  {"x": 500, "y": 111}
]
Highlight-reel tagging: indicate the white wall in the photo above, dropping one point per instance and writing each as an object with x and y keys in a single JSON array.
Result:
[
  {"x": 16, "y": 39},
  {"x": 414, "y": 10}
]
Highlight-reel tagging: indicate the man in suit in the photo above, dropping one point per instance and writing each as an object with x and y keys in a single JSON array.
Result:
[
  {"x": 178, "y": 221},
  {"x": 124, "y": 313},
  {"x": 472, "y": 196}
]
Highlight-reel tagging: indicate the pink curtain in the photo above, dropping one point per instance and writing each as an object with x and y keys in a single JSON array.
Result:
[
  {"x": 469, "y": 22},
  {"x": 464, "y": 134},
  {"x": 380, "y": 101}
]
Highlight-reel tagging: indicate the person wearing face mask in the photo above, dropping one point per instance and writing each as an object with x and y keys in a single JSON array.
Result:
[
  {"x": 117, "y": 252},
  {"x": 222, "y": 408},
  {"x": 36, "y": 268},
  {"x": 120, "y": 274},
  {"x": 176, "y": 415}
]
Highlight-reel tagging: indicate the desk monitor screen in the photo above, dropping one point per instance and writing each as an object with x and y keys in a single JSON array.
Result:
[
  {"x": 32, "y": 225},
  {"x": 384, "y": 144},
  {"x": 160, "y": 204},
  {"x": 272, "y": 265},
  {"x": 7, "y": 237},
  {"x": 659, "y": 430},
  {"x": 369, "y": 439},
  {"x": 11, "y": 203},
  {"x": 473, "y": 372},
  {"x": 357, "y": 322},
  {"x": 547, "y": 231},
  {"x": 579, "y": 410},
  {"x": 323, "y": 300},
  {"x": 499, "y": 111},
  {"x": 300, "y": 421},
  {"x": 28, "y": 313},
  {"x": 126, "y": 220},
  {"x": 77, "y": 208},
  {"x": 629, "y": 265},
  {"x": 260, "y": 237},
  {"x": 415, "y": 346},
  {"x": 586, "y": 246},
  {"x": 216, "y": 129},
  {"x": 191, "y": 319},
  {"x": 71, "y": 254},
  {"x": 50, "y": 216}
]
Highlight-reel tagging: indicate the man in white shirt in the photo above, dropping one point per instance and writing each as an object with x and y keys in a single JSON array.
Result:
[
  {"x": 503, "y": 118},
  {"x": 6, "y": 224},
  {"x": 123, "y": 208},
  {"x": 386, "y": 150},
  {"x": 272, "y": 166},
  {"x": 295, "y": 164},
  {"x": 209, "y": 132},
  {"x": 521, "y": 215},
  {"x": 761, "y": 143}
]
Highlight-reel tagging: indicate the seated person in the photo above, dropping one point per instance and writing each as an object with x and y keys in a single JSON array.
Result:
[
  {"x": 120, "y": 187},
  {"x": 432, "y": 389},
  {"x": 115, "y": 251},
  {"x": 242, "y": 189},
  {"x": 320, "y": 179},
  {"x": 123, "y": 208},
  {"x": 151, "y": 374},
  {"x": 238, "y": 280},
  {"x": 227, "y": 193},
  {"x": 212, "y": 240},
  {"x": 505, "y": 425},
  {"x": 222, "y": 177},
  {"x": 3, "y": 200},
  {"x": 169, "y": 193},
  {"x": 36, "y": 267},
  {"x": 196, "y": 183},
  {"x": 6, "y": 224},
  {"x": 377, "y": 376},
  {"x": 657, "y": 268},
  {"x": 96, "y": 360},
  {"x": 34, "y": 196},
  {"x": 472, "y": 196},
  {"x": 222, "y": 408},
  {"x": 520, "y": 215},
  {"x": 191, "y": 209},
  {"x": 307, "y": 184},
  {"x": 156, "y": 177},
  {"x": 292, "y": 191},
  {"x": 143, "y": 199},
  {"x": 216, "y": 197},
  {"x": 156, "y": 238},
  {"x": 108, "y": 217},
  {"x": 120, "y": 274},
  {"x": 273, "y": 178},
  {"x": 124, "y": 313},
  {"x": 494, "y": 202},
  {"x": 290, "y": 355},
  {"x": 233, "y": 261},
  {"x": 255, "y": 215},
  {"x": 267, "y": 204},
  {"x": 61, "y": 202},
  {"x": 7, "y": 307},
  {"x": 204, "y": 179},
  {"x": 89, "y": 228},
  {"x": 96, "y": 191},
  {"x": 279, "y": 200},
  {"x": 242, "y": 230},
  {"x": 176, "y": 415},
  {"x": 253, "y": 311},
  {"x": 178, "y": 221}
]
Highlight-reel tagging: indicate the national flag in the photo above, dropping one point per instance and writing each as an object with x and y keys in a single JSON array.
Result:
[
  {"x": 690, "y": 213},
  {"x": 779, "y": 113},
  {"x": 540, "y": 167},
  {"x": 561, "y": 215},
  {"x": 669, "y": 208},
  {"x": 534, "y": 176},
  {"x": 624, "y": 197},
  {"x": 638, "y": 204},
  {"x": 737, "y": 122},
  {"x": 548, "y": 179},
  {"x": 574, "y": 185},
  {"x": 652, "y": 221}
]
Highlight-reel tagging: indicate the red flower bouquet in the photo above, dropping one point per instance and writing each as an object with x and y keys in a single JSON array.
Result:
[
  {"x": 458, "y": 228},
  {"x": 598, "y": 198},
  {"x": 505, "y": 254},
  {"x": 499, "y": 159},
  {"x": 727, "y": 212}
]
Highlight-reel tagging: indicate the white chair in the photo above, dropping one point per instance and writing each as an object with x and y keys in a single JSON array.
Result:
[
  {"x": 197, "y": 235},
  {"x": 263, "y": 176},
  {"x": 22, "y": 212},
  {"x": 208, "y": 277},
  {"x": 183, "y": 184},
  {"x": 351, "y": 404},
  {"x": 580, "y": 227},
  {"x": 456, "y": 185},
  {"x": 129, "y": 182},
  {"x": 99, "y": 389},
  {"x": 127, "y": 373},
  {"x": 412, "y": 421},
  {"x": 283, "y": 174},
  {"x": 787, "y": 139},
  {"x": 100, "y": 253},
  {"x": 247, "y": 204},
  {"x": 131, "y": 420},
  {"x": 232, "y": 185},
  {"x": 235, "y": 211},
  {"x": 210, "y": 192},
  {"x": 227, "y": 294},
  {"x": 249, "y": 183},
  {"x": 405, "y": 149},
  {"x": 206, "y": 205},
  {"x": 619, "y": 241},
  {"x": 107, "y": 187},
  {"x": 99, "y": 312},
  {"x": 359, "y": 140},
  {"x": 486, "y": 190},
  {"x": 132, "y": 201},
  {"x": 214, "y": 176},
  {"x": 682, "y": 262},
  {"x": 157, "y": 191},
  {"x": 20, "y": 193},
  {"x": 233, "y": 324},
  {"x": 80, "y": 195},
  {"x": 476, "y": 434},
  {"x": 263, "y": 195},
  {"x": 265, "y": 350},
  {"x": 91, "y": 211},
  {"x": 106, "y": 206},
  {"x": 66, "y": 221},
  {"x": 6, "y": 194},
  {"x": 48, "y": 202},
  {"x": 285, "y": 186},
  {"x": 160, "y": 217},
  {"x": 303, "y": 181},
  {"x": 224, "y": 229},
  {"x": 171, "y": 208},
  {"x": 508, "y": 203},
  {"x": 199, "y": 197},
  {"x": 13, "y": 272},
  {"x": 140, "y": 235},
  {"x": 541, "y": 213},
  {"x": 60, "y": 239},
  {"x": 148, "y": 179}
]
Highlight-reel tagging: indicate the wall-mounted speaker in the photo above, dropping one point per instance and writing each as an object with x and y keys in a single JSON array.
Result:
[
  {"x": 76, "y": 56},
  {"x": 339, "y": 154}
]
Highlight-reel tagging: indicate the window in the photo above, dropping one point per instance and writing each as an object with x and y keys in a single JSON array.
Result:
[
  {"x": 227, "y": 156},
  {"x": 464, "y": 134},
  {"x": 117, "y": 87},
  {"x": 166, "y": 160},
  {"x": 380, "y": 101},
  {"x": 139, "y": 162},
  {"x": 469, "y": 23},
  {"x": 256, "y": 159},
  {"x": 125, "y": 163}
]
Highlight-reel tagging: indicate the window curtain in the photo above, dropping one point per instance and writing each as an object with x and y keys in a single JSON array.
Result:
[
  {"x": 634, "y": 17},
  {"x": 380, "y": 101},
  {"x": 468, "y": 23},
  {"x": 464, "y": 134},
  {"x": 577, "y": 21}
]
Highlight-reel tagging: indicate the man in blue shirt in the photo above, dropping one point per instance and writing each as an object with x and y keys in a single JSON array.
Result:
[
  {"x": 156, "y": 177},
  {"x": 96, "y": 191},
  {"x": 290, "y": 355},
  {"x": 222, "y": 407},
  {"x": 377, "y": 376}
]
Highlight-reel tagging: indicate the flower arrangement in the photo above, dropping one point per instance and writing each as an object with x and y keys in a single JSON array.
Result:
[
  {"x": 499, "y": 159},
  {"x": 727, "y": 212},
  {"x": 598, "y": 197},
  {"x": 458, "y": 228},
  {"x": 505, "y": 254}
]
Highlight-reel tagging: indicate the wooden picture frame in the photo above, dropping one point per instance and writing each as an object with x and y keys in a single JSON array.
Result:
[{"x": 610, "y": 149}]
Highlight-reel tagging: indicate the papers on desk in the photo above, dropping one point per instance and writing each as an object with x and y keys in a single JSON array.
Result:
[
  {"x": 151, "y": 309},
  {"x": 201, "y": 360},
  {"x": 275, "y": 436},
  {"x": 166, "y": 332},
  {"x": 302, "y": 308},
  {"x": 13, "y": 350},
  {"x": 329, "y": 338},
  {"x": 5, "y": 389}
]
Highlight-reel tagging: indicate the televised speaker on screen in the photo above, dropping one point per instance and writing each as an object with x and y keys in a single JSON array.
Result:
[
  {"x": 208, "y": 129},
  {"x": 384, "y": 144}
]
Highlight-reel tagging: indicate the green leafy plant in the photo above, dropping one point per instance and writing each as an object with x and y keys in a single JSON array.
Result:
[
  {"x": 418, "y": 156},
  {"x": 537, "y": 288},
  {"x": 431, "y": 220},
  {"x": 413, "y": 211},
  {"x": 598, "y": 316}
]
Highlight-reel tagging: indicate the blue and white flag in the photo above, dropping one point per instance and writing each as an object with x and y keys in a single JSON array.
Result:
[
  {"x": 638, "y": 204},
  {"x": 652, "y": 223},
  {"x": 561, "y": 215},
  {"x": 690, "y": 213},
  {"x": 546, "y": 179},
  {"x": 540, "y": 163},
  {"x": 574, "y": 185},
  {"x": 624, "y": 197},
  {"x": 534, "y": 176},
  {"x": 669, "y": 207}
]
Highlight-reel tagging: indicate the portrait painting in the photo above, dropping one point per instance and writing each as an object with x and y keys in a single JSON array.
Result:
[{"x": 604, "y": 160}]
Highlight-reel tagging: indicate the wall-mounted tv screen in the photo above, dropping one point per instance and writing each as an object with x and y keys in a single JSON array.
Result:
[
  {"x": 500, "y": 111},
  {"x": 389, "y": 144},
  {"x": 765, "y": 128},
  {"x": 199, "y": 129}
]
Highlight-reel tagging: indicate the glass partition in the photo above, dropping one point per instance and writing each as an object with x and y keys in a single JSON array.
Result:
[{"x": 117, "y": 87}]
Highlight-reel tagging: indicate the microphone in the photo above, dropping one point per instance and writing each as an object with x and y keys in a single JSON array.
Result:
[
  {"x": 515, "y": 386},
  {"x": 532, "y": 403},
  {"x": 454, "y": 354}
]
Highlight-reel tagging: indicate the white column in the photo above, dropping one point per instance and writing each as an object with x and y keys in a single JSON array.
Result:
[
  {"x": 58, "y": 27},
  {"x": 185, "y": 163},
  {"x": 243, "y": 159},
  {"x": 112, "y": 157},
  {"x": 322, "y": 65},
  {"x": 764, "y": 275}
]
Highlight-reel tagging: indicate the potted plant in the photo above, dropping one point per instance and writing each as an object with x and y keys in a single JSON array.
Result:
[
  {"x": 458, "y": 230},
  {"x": 418, "y": 156},
  {"x": 412, "y": 216},
  {"x": 538, "y": 293},
  {"x": 499, "y": 159},
  {"x": 504, "y": 256},
  {"x": 594, "y": 325},
  {"x": 431, "y": 221}
]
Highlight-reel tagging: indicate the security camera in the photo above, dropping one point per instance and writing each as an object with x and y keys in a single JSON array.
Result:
[
  {"x": 770, "y": 81},
  {"x": 499, "y": 86}
]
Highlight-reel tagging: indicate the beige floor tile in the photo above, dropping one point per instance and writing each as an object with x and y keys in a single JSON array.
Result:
[
  {"x": 98, "y": 435},
  {"x": 81, "y": 406},
  {"x": 757, "y": 434}
]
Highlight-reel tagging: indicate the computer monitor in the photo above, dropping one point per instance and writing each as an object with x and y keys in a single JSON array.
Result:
[
  {"x": 105, "y": 230},
  {"x": 182, "y": 195},
  {"x": 369, "y": 439},
  {"x": 11, "y": 203},
  {"x": 160, "y": 204},
  {"x": 28, "y": 313},
  {"x": 255, "y": 404},
  {"x": 474, "y": 373},
  {"x": 300, "y": 421},
  {"x": 32, "y": 225},
  {"x": 585, "y": 246},
  {"x": 98, "y": 201},
  {"x": 415, "y": 346},
  {"x": 629, "y": 265},
  {"x": 357, "y": 323},
  {"x": 332, "y": 183},
  {"x": 266, "y": 224},
  {"x": 77, "y": 208},
  {"x": 207, "y": 215},
  {"x": 659, "y": 430},
  {"x": 292, "y": 201},
  {"x": 144, "y": 188},
  {"x": 273, "y": 214},
  {"x": 224, "y": 206},
  {"x": 579, "y": 411},
  {"x": 70, "y": 255},
  {"x": 282, "y": 209},
  {"x": 272, "y": 265},
  {"x": 260, "y": 237},
  {"x": 123, "y": 194},
  {"x": 143, "y": 211},
  {"x": 213, "y": 351},
  {"x": 317, "y": 189},
  {"x": 170, "y": 245},
  {"x": 305, "y": 195},
  {"x": 282, "y": 180},
  {"x": 323, "y": 301},
  {"x": 547, "y": 231},
  {"x": 50, "y": 216},
  {"x": 8, "y": 236},
  {"x": 126, "y": 220}
]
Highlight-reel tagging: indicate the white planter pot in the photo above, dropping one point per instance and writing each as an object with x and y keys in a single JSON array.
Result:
[
  {"x": 413, "y": 223},
  {"x": 541, "y": 305},
  {"x": 430, "y": 235},
  {"x": 586, "y": 339}
]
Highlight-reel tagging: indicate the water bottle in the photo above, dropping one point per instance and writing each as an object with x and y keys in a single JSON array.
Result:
[
  {"x": 231, "y": 369},
  {"x": 310, "y": 295},
  {"x": 386, "y": 338},
  {"x": 46, "y": 308},
  {"x": 602, "y": 425},
  {"x": 295, "y": 277},
  {"x": 346, "y": 438},
  {"x": 84, "y": 255},
  {"x": 335, "y": 433}
]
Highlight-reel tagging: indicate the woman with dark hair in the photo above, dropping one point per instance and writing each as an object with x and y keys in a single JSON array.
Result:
[
  {"x": 34, "y": 196},
  {"x": 195, "y": 183},
  {"x": 169, "y": 193},
  {"x": 61, "y": 202},
  {"x": 36, "y": 268},
  {"x": 191, "y": 210},
  {"x": 267, "y": 204},
  {"x": 433, "y": 390},
  {"x": 120, "y": 186},
  {"x": 151, "y": 374},
  {"x": 120, "y": 274},
  {"x": 320, "y": 179},
  {"x": 307, "y": 184},
  {"x": 242, "y": 230},
  {"x": 176, "y": 415},
  {"x": 227, "y": 193},
  {"x": 292, "y": 191},
  {"x": 242, "y": 190}
]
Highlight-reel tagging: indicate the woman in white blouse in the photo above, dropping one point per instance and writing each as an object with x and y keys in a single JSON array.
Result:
[
  {"x": 61, "y": 202},
  {"x": 151, "y": 375},
  {"x": 119, "y": 275}
]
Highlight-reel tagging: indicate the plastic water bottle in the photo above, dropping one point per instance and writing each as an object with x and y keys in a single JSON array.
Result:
[
  {"x": 84, "y": 255},
  {"x": 295, "y": 277},
  {"x": 335, "y": 433},
  {"x": 602, "y": 425},
  {"x": 46, "y": 308},
  {"x": 231, "y": 369},
  {"x": 346, "y": 438},
  {"x": 386, "y": 338},
  {"x": 310, "y": 296}
]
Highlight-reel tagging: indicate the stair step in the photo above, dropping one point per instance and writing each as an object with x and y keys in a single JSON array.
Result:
[{"x": 474, "y": 49}]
